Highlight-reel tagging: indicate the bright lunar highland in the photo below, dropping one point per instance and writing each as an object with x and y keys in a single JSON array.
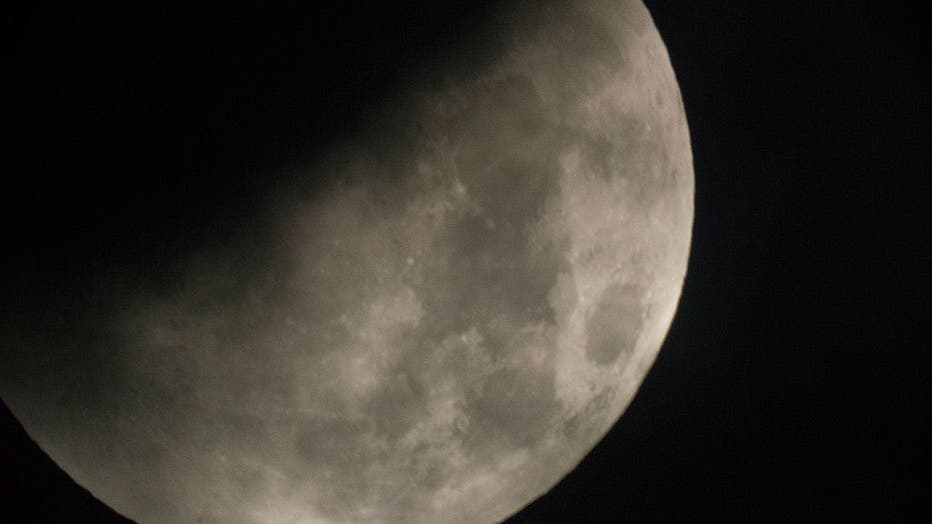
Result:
[{"x": 439, "y": 334}]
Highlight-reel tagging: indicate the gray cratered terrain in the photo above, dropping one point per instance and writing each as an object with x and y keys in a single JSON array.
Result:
[{"x": 438, "y": 335}]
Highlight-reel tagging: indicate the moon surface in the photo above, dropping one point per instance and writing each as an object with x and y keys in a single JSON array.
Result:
[{"x": 439, "y": 334}]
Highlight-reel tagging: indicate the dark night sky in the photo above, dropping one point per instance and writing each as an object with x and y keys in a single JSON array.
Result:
[{"x": 793, "y": 385}]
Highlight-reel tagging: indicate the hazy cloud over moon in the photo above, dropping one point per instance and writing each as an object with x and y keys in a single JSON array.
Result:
[{"x": 438, "y": 335}]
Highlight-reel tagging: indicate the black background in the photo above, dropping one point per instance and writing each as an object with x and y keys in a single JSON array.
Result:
[{"x": 794, "y": 384}]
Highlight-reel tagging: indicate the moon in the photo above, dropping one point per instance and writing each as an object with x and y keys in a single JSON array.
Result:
[{"x": 439, "y": 333}]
